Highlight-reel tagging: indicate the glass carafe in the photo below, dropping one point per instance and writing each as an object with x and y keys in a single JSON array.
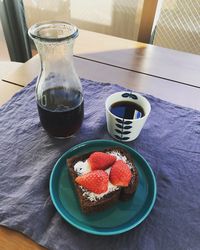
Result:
[{"x": 58, "y": 89}]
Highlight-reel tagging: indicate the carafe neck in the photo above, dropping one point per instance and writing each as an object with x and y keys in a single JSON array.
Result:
[{"x": 55, "y": 54}]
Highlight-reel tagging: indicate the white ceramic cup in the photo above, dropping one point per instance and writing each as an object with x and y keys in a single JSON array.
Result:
[{"x": 126, "y": 129}]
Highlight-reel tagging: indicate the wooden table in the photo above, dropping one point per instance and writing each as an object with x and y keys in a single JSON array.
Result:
[{"x": 167, "y": 74}]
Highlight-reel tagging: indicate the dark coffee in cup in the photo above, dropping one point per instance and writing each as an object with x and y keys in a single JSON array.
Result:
[{"x": 127, "y": 110}]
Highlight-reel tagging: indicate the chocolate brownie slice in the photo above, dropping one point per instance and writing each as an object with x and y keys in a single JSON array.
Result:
[{"x": 91, "y": 204}]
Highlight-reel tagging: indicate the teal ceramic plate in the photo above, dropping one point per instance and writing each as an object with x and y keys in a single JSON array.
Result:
[{"x": 121, "y": 217}]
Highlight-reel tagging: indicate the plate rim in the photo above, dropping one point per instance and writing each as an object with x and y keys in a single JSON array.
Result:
[{"x": 94, "y": 230}]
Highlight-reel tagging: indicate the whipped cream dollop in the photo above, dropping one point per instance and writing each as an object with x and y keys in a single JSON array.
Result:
[{"x": 83, "y": 167}]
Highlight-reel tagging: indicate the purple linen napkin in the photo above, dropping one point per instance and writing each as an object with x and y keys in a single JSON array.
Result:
[{"x": 170, "y": 142}]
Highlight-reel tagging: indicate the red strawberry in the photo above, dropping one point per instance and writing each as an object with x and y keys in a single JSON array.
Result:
[
  {"x": 100, "y": 160},
  {"x": 95, "y": 181},
  {"x": 120, "y": 174}
]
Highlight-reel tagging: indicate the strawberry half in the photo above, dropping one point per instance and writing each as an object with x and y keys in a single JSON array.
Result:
[
  {"x": 95, "y": 181},
  {"x": 100, "y": 160},
  {"x": 120, "y": 174}
]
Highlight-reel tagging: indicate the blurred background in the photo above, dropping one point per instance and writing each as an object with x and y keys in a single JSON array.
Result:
[{"x": 171, "y": 24}]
